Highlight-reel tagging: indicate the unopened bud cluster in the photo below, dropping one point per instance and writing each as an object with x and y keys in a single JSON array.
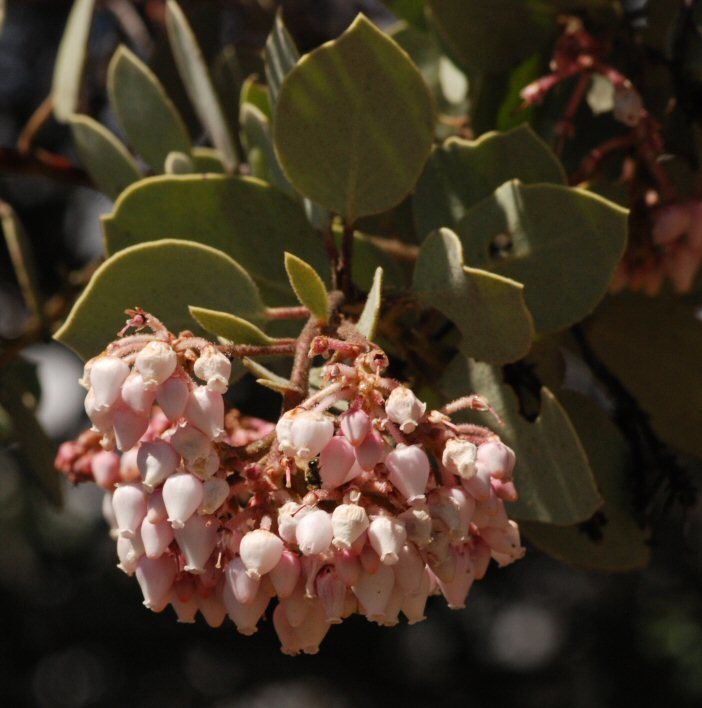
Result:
[{"x": 361, "y": 500}]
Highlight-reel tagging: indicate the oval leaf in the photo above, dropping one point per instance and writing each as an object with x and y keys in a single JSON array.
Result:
[
  {"x": 624, "y": 544},
  {"x": 70, "y": 60},
  {"x": 162, "y": 277},
  {"x": 106, "y": 160},
  {"x": 244, "y": 217},
  {"x": 178, "y": 163},
  {"x": 198, "y": 83},
  {"x": 207, "y": 160},
  {"x": 460, "y": 173},
  {"x": 562, "y": 243},
  {"x": 230, "y": 327},
  {"x": 553, "y": 475},
  {"x": 308, "y": 286},
  {"x": 368, "y": 321},
  {"x": 354, "y": 123},
  {"x": 280, "y": 55},
  {"x": 488, "y": 310},
  {"x": 147, "y": 115}
]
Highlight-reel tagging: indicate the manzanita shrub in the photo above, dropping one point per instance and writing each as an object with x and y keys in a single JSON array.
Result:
[{"x": 408, "y": 234}]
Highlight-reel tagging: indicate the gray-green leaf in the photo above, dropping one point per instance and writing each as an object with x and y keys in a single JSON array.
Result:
[{"x": 308, "y": 286}]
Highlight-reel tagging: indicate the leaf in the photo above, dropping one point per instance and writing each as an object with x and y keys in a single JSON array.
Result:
[
  {"x": 178, "y": 163},
  {"x": 308, "y": 286},
  {"x": 368, "y": 257},
  {"x": 624, "y": 544},
  {"x": 228, "y": 77},
  {"x": 654, "y": 347},
  {"x": 198, "y": 84},
  {"x": 354, "y": 123},
  {"x": 368, "y": 321},
  {"x": 259, "y": 149},
  {"x": 562, "y": 243},
  {"x": 496, "y": 35},
  {"x": 147, "y": 115},
  {"x": 242, "y": 216},
  {"x": 256, "y": 94},
  {"x": 280, "y": 55},
  {"x": 488, "y": 310},
  {"x": 553, "y": 475},
  {"x": 105, "y": 158},
  {"x": 230, "y": 327},
  {"x": 207, "y": 160},
  {"x": 70, "y": 60},
  {"x": 460, "y": 173},
  {"x": 412, "y": 11},
  {"x": 268, "y": 378},
  {"x": 162, "y": 277},
  {"x": 35, "y": 448}
]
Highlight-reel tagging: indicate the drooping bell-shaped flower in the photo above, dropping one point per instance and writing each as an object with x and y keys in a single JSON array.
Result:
[
  {"x": 504, "y": 541},
  {"x": 413, "y": 605},
  {"x": 260, "y": 551},
  {"x": 478, "y": 486},
  {"x": 129, "y": 426},
  {"x": 129, "y": 505},
  {"x": 409, "y": 471},
  {"x": 155, "y": 578},
  {"x": 331, "y": 591},
  {"x": 373, "y": 591},
  {"x": 205, "y": 410},
  {"x": 212, "y": 609},
  {"x": 387, "y": 535},
  {"x": 310, "y": 432},
  {"x": 286, "y": 574},
  {"x": 185, "y": 609},
  {"x": 335, "y": 462},
  {"x": 197, "y": 539},
  {"x": 136, "y": 395},
  {"x": 287, "y": 634},
  {"x": 297, "y": 604},
  {"x": 128, "y": 468},
  {"x": 459, "y": 457},
  {"x": 156, "y": 460},
  {"x": 243, "y": 586},
  {"x": 313, "y": 629},
  {"x": 108, "y": 513},
  {"x": 480, "y": 555},
  {"x": 349, "y": 521},
  {"x": 172, "y": 395},
  {"x": 419, "y": 526},
  {"x": 391, "y": 618},
  {"x": 107, "y": 374},
  {"x": 314, "y": 532},
  {"x": 348, "y": 567},
  {"x": 105, "y": 468},
  {"x": 355, "y": 424},
  {"x": 409, "y": 569},
  {"x": 214, "y": 368},
  {"x": 245, "y": 617},
  {"x": 156, "y": 537},
  {"x": 496, "y": 459},
  {"x": 182, "y": 495},
  {"x": 156, "y": 362},
  {"x": 289, "y": 516},
  {"x": 129, "y": 552},
  {"x": 156, "y": 509},
  {"x": 215, "y": 493},
  {"x": 370, "y": 560},
  {"x": 456, "y": 590},
  {"x": 404, "y": 408},
  {"x": 101, "y": 418},
  {"x": 370, "y": 451}
]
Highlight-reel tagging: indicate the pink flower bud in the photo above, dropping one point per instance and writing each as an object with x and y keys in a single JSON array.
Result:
[
  {"x": 456, "y": 590},
  {"x": 212, "y": 609},
  {"x": 331, "y": 591},
  {"x": 409, "y": 471},
  {"x": 242, "y": 585},
  {"x": 129, "y": 504},
  {"x": 214, "y": 368},
  {"x": 108, "y": 513},
  {"x": 297, "y": 604},
  {"x": 205, "y": 410},
  {"x": 459, "y": 457},
  {"x": 260, "y": 552},
  {"x": 310, "y": 432},
  {"x": 335, "y": 462},
  {"x": 355, "y": 425},
  {"x": 172, "y": 395},
  {"x": 156, "y": 537},
  {"x": 128, "y": 469},
  {"x": 129, "y": 552},
  {"x": 107, "y": 374},
  {"x": 370, "y": 561},
  {"x": 409, "y": 570},
  {"x": 349, "y": 521},
  {"x": 497, "y": 459},
  {"x": 185, "y": 609},
  {"x": 391, "y": 617},
  {"x": 156, "y": 509},
  {"x": 418, "y": 524},
  {"x": 286, "y": 574},
  {"x": 245, "y": 617},
  {"x": 404, "y": 408},
  {"x": 466, "y": 508},
  {"x": 136, "y": 395},
  {"x": 314, "y": 532},
  {"x": 348, "y": 567},
  {"x": 191, "y": 443},
  {"x": 505, "y": 490},
  {"x": 504, "y": 542},
  {"x": 373, "y": 591},
  {"x": 370, "y": 452},
  {"x": 105, "y": 469},
  {"x": 197, "y": 539},
  {"x": 155, "y": 578},
  {"x": 413, "y": 604},
  {"x": 156, "y": 362},
  {"x": 287, "y": 635},
  {"x": 215, "y": 493},
  {"x": 313, "y": 629},
  {"x": 480, "y": 555},
  {"x": 289, "y": 516},
  {"x": 156, "y": 461},
  {"x": 129, "y": 427},
  {"x": 101, "y": 418},
  {"x": 182, "y": 495},
  {"x": 387, "y": 535},
  {"x": 478, "y": 486}
]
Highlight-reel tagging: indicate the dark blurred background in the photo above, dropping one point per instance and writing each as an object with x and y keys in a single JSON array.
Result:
[{"x": 73, "y": 632}]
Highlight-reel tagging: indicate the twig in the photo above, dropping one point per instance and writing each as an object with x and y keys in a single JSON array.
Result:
[
  {"x": 42, "y": 163},
  {"x": 34, "y": 125},
  {"x": 287, "y": 313}
]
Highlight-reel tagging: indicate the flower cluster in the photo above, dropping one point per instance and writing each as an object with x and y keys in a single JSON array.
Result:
[{"x": 359, "y": 501}]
